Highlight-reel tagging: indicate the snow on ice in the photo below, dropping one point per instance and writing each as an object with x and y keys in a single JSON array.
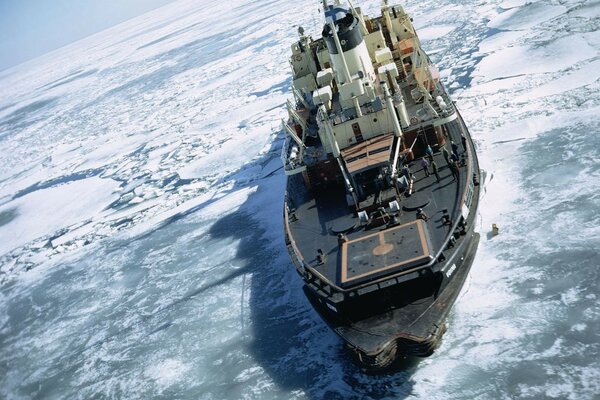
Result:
[{"x": 140, "y": 207}]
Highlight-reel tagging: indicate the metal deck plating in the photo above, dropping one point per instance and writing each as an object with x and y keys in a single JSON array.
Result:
[{"x": 378, "y": 254}]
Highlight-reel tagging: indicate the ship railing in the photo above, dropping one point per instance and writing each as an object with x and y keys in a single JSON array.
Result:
[
  {"x": 341, "y": 116},
  {"x": 291, "y": 167},
  {"x": 303, "y": 269},
  {"x": 463, "y": 197},
  {"x": 292, "y": 151},
  {"x": 441, "y": 91},
  {"x": 312, "y": 276},
  {"x": 425, "y": 117},
  {"x": 296, "y": 255},
  {"x": 285, "y": 150}
]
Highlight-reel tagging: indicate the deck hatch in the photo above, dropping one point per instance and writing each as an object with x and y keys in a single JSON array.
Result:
[
  {"x": 368, "y": 154},
  {"x": 385, "y": 252}
]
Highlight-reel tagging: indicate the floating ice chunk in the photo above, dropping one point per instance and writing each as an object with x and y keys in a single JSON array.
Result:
[
  {"x": 248, "y": 374},
  {"x": 127, "y": 197},
  {"x": 589, "y": 9},
  {"x": 496, "y": 86},
  {"x": 558, "y": 55},
  {"x": 435, "y": 32},
  {"x": 513, "y": 3},
  {"x": 571, "y": 296},
  {"x": 527, "y": 16},
  {"x": 70, "y": 236},
  {"x": 139, "y": 191},
  {"x": 422, "y": 21},
  {"x": 586, "y": 75},
  {"x": 166, "y": 372},
  {"x": 230, "y": 155},
  {"x": 136, "y": 200},
  {"x": 499, "y": 41},
  {"x": 593, "y": 38},
  {"x": 45, "y": 211},
  {"x": 446, "y": 73},
  {"x": 109, "y": 149}
]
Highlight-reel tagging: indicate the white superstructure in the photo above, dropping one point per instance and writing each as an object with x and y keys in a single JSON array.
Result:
[{"x": 365, "y": 78}]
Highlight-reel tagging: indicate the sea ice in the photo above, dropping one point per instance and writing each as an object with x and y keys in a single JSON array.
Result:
[
  {"x": 435, "y": 32},
  {"x": 527, "y": 16},
  {"x": 558, "y": 55},
  {"x": 581, "y": 75},
  {"x": 499, "y": 41},
  {"x": 43, "y": 212}
]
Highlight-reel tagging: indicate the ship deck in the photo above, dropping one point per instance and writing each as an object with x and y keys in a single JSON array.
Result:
[{"x": 320, "y": 215}]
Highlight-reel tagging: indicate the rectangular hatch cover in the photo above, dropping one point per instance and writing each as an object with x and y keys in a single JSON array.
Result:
[{"x": 385, "y": 252}]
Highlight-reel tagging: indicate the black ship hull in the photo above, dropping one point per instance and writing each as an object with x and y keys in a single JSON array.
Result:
[
  {"x": 411, "y": 331},
  {"x": 408, "y": 318}
]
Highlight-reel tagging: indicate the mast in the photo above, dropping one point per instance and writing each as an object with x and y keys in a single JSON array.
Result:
[
  {"x": 336, "y": 151},
  {"x": 396, "y": 124}
]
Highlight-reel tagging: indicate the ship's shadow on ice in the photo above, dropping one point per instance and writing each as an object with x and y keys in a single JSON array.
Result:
[{"x": 282, "y": 332}]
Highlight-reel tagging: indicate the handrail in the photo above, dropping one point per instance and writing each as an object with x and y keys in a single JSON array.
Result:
[
  {"x": 295, "y": 247},
  {"x": 462, "y": 200}
]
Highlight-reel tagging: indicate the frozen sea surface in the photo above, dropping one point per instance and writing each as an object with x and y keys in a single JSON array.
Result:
[{"x": 141, "y": 249}]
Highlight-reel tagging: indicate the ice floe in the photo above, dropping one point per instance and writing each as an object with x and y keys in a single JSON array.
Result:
[
  {"x": 517, "y": 60},
  {"x": 527, "y": 15},
  {"x": 44, "y": 212}
]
